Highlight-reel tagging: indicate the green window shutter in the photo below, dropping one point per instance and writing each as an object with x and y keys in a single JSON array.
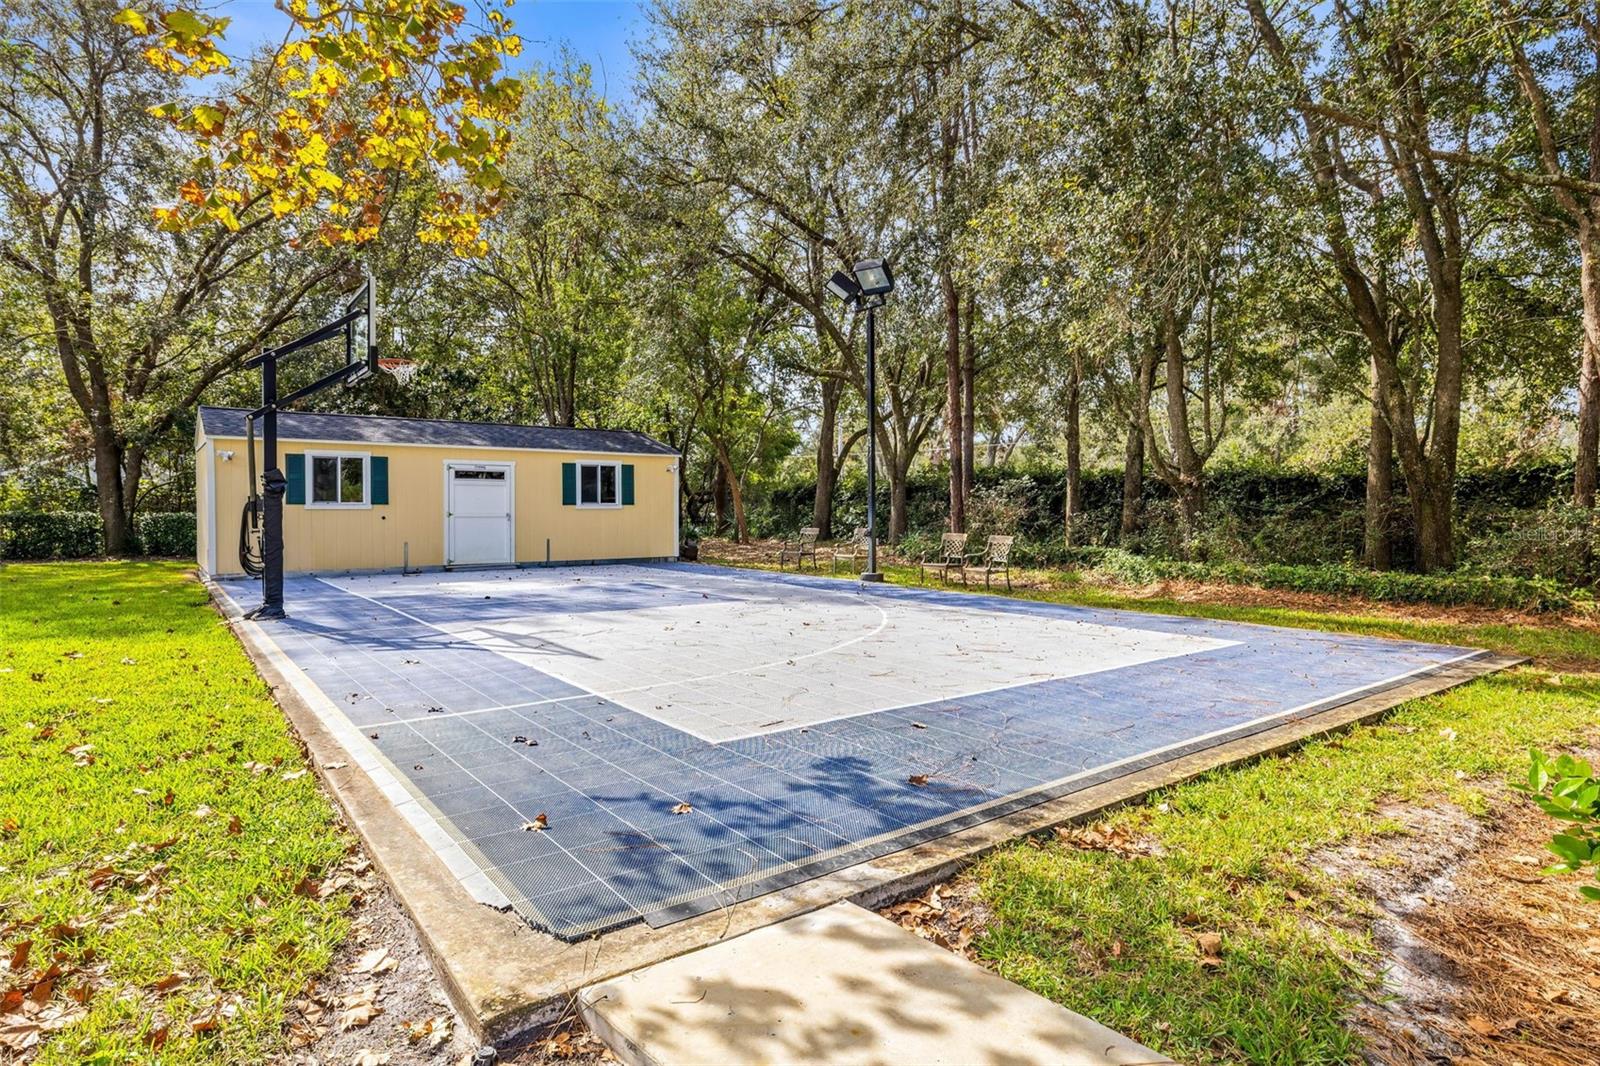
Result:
[
  {"x": 569, "y": 484},
  {"x": 380, "y": 479},
  {"x": 294, "y": 469},
  {"x": 627, "y": 484}
]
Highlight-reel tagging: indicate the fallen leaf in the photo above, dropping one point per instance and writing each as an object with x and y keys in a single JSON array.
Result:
[
  {"x": 540, "y": 823},
  {"x": 917, "y": 779},
  {"x": 19, "y": 1036},
  {"x": 376, "y": 961},
  {"x": 432, "y": 1032},
  {"x": 1482, "y": 1026},
  {"x": 235, "y": 827},
  {"x": 171, "y": 981},
  {"x": 201, "y": 811},
  {"x": 293, "y": 775},
  {"x": 368, "y": 1057},
  {"x": 334, "y": 765},
  {"x": 359, "y": 1008},
  {"x": 682, "y": 808},
  {"x": 19, "y": 956},
  {"x": 918, "y": 725}
]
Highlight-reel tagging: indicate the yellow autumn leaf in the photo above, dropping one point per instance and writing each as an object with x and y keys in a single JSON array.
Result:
[
  {"x": 133, "y": 20},
  {"x": 324, "y": 179},
  {"x": 224, "y": 214}
]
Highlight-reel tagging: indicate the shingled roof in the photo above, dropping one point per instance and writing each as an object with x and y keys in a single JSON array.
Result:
[{"x": 383, "y": 429}]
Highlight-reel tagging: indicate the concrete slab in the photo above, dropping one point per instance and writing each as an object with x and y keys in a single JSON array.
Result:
[
  {"x": 840, "y": 985},
  {"x": 505, "y": 977}
]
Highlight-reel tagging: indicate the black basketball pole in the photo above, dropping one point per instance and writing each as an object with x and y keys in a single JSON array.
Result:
[
  {"x": 872, "y": 573},
  {"x": 273, "y": 485}
]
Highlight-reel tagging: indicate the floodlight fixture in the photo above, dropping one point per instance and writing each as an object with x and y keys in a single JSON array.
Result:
[
  {"x": 844, "y": 286},
  {"x": 873, "y": 277}
]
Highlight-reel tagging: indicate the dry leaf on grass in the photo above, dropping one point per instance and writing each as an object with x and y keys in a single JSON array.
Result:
[
  {"x": 1210, "y": 945},
  {"x": 171, "y": 981}
]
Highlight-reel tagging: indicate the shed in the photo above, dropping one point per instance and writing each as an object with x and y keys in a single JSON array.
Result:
[{"x": 374, "y": 493}]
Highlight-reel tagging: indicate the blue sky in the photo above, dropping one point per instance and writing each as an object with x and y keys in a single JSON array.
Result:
[{"x": 596, "y": 31}]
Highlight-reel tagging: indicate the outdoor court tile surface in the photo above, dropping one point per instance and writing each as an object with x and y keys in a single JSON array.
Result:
[{"x": 789, "y": 712}]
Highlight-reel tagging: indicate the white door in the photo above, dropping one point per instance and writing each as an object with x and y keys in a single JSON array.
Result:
[{"x": 478, "y": 514}]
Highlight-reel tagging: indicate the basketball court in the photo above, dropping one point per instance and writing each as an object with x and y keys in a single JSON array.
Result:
[{"x": 595, "y": 746}]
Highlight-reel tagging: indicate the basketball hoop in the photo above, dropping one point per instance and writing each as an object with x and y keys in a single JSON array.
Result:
[{"x": 402, "y": 370}]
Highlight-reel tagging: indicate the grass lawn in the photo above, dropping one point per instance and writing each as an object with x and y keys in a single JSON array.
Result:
[
  {"x": 168, "y": 867},
  {"x": 1114, "y": 929}
]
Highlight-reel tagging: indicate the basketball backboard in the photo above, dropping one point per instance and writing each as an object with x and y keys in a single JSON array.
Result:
[{"x": 361, "y": 332}]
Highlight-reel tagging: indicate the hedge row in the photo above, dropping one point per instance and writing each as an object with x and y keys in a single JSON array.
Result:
[
  {"x": 76, "y": 534},
  {"x": 1450, "y": 589},
  {"x": 1245, "y": 492}
]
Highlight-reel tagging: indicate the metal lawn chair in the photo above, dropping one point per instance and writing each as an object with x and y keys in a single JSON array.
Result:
[
  {"x": 800, "y": 548},
  {"x": 994, "y": 559},
  {"x": 853, "y": 551},
  {"x": 951, "y": 556}
]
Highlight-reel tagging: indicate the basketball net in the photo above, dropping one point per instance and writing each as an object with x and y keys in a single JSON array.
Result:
[{"x": 402, "y": 370}]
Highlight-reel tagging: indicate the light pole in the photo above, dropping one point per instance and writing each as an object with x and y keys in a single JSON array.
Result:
[{"x": 864, "y": 289}]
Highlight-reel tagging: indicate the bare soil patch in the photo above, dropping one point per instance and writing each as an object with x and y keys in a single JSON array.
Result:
[
  {"x": 381, "y": 1003},
  {"x": 1482, "y": 960}
]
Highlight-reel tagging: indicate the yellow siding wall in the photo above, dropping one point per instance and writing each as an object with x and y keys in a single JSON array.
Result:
[
  {"x": 325, "y": 540},
  {"x": 202, "y": 505}
]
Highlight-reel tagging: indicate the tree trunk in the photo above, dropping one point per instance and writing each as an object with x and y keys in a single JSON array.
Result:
[
  {"x": 1132, "y": 480},
  {"x": 1587, "y": 468},
  {"x": 954, "y": 402},
  {"x": 719, "y": 498},
  {"x": 827, "y": 430},
  {"x": 1378, "y": 545},
  {"x": 730, "y": 479},
  {"x": 115, "y": 527},
  {"x": 897, "y": 503},
  {"x": 1189, "y": 482},
  {"x": 969, "y": 399},
  {"x": 1073, "y": 503}
]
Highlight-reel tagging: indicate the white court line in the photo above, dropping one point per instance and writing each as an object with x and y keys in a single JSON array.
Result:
[{"x": 790, "y": 660}]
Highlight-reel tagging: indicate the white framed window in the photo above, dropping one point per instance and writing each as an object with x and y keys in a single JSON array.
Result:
[
  {"x": 338, "y": 479},
  {"x": 599, "y": 484}
]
